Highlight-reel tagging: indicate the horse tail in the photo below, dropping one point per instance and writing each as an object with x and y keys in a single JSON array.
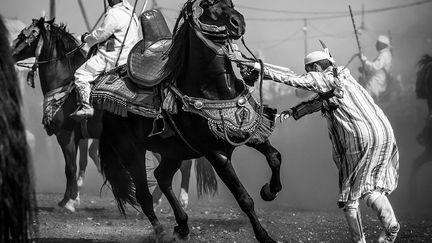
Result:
[
  {"x": 424, "y": 75},
  {"x": 17, "y": 195},
  {"x": 116, "y": 174},
  {"x": 206, "y": 178}
]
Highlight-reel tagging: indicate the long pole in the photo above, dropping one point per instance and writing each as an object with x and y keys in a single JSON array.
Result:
[
  {"x": 305, "y": 36},
  {"x": 84, "y": 15},
  {"x": 358, "y": 40},
  {"x": 52, "y": 9}
]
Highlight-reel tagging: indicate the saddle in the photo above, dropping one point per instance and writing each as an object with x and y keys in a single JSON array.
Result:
[{"x": 146, "y": 59}]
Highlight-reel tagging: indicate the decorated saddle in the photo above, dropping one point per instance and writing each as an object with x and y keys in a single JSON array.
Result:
[
  {"x": 115, "y": 92},
  {"x": 146, "y": 59}
]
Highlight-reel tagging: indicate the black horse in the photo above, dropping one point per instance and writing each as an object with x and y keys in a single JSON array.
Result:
[
  {"x": 17, "y": 199},
  {"x": 199, "y": 64},
  {"x": 424, "y": 91},
  {"x": 57, "y": 57}
]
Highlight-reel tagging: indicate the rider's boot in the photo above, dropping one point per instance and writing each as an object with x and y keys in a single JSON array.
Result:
[
  {"x": 381, "y": 205},
  {"x": 85, "y": 110}
]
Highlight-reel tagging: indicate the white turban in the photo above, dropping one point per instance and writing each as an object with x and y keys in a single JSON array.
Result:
[
  {"x": 317, "y": 56},
  {"x": 384, "y": 39}
]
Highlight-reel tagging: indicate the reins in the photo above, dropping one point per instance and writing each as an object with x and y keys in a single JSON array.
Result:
[{"x": 25, "y": 64}]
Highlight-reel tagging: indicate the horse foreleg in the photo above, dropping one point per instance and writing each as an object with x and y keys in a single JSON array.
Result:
[
  {"x": 222, "y": 164},
  {"x": 422, "y": 159},
  {"x": 185, "y": 170},
  {"x": 83, "y": 148},
  {"x": 68, "y": 144},
  {"x": 94, "y": 154},
  {"x": 164, "y": 174},
  {"x": 274, "y": 158}
]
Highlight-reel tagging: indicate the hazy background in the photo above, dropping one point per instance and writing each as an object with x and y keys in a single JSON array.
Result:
[{"x": 308, "y": 172}]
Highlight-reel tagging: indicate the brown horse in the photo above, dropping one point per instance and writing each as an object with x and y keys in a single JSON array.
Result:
[
  {"x": 17, "y": 198},
  {"x": 424, "y": 91},
  {"x": 199, "y": 63}
]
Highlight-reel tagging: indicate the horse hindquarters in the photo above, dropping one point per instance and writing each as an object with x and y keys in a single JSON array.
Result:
[{"x": 127, "y": 176}]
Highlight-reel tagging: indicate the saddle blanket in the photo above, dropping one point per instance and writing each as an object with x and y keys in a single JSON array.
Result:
[{"x": 116, "y": 93}]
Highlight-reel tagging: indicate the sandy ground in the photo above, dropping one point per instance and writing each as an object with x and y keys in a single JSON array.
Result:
[{"x": 98, "y": 220}]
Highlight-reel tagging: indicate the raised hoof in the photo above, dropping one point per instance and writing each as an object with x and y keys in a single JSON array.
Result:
[
  {"x": 181, "y": 234},
  {"x": 266, "y": 193}
]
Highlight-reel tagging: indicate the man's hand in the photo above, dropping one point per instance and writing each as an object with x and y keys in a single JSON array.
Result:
[
  {"x": 84, "y": 36},
  {"x": 284, "y": 115}
]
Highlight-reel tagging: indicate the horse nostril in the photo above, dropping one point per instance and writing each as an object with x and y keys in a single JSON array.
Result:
[{"x": 234, "y": 21}]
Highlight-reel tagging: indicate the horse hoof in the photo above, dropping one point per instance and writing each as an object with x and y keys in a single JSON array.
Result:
[
  {"x": 70, "y": 205},
  {"x": 158, "y": 230},
  {"x": 62, "y": 203},
  {"x": 181, "y": 234},
  {"x": 266, "y": 193}
]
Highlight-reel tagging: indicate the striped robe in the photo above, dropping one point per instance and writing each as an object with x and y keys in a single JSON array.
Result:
[{"x": 364, "y": 146}]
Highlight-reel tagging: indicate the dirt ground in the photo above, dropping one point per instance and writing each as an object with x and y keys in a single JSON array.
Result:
[{"x": 98, "y": 220}]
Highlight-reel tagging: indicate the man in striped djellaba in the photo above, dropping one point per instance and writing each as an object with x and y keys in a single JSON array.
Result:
[{"x": 364, "y": 146}]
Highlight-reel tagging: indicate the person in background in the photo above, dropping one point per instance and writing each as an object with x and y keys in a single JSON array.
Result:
[
  {"x": 364, "y": 146},
  {"x": 109, "y": 38},
  {"x": 377, "y": 71}
]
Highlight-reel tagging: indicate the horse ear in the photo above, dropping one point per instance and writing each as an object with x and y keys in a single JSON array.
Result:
[{"x": 50, "y": 21}]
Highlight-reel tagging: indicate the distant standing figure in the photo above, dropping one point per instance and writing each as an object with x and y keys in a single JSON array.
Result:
[{"x": 377, "y": 71}]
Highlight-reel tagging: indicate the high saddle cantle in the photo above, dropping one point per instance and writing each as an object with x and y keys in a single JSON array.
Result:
[{"x": 146, "y": 59}]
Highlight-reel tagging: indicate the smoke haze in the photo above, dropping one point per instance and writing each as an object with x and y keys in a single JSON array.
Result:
[{"x": 309, "y": 176}]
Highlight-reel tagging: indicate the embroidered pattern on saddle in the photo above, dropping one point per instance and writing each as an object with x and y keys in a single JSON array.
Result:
[
  {"x": 114, "y": 92},
  {"x": 238, "y": 118}
]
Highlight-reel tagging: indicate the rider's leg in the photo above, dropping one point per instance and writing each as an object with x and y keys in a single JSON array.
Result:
[{"x": 85, "y": 74}]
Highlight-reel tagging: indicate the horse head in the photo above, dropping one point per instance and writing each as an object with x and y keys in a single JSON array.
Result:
[
  {"x": 216, "y": 18},
  {"x": 24, "y": 46},
  {"x": 54, "y": 49},
  {"x": 198, "y": 58}
]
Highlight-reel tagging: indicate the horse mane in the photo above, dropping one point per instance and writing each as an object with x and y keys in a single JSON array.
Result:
[
  {"x": 179, "y": 48},
  {"x": 17, "y": 198},
  {"x": 62, "y": 42}
]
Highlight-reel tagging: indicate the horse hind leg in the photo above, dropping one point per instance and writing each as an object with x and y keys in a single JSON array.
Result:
[
  {"x": 94, "y": 154},
  {"x": 164, "y": 174},
  {"x": 270, "y": 190},
  {"x": 222, "y": 164},
  {"x": 83, "y": 161},
  {"x": 185, "y": 170}
]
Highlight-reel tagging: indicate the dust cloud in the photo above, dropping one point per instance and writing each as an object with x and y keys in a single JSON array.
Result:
[{"x": 309, "y": 176}]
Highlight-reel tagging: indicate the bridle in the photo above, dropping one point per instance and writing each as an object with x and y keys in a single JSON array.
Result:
[
  {"x": 203, "y": 31},
  {"x": 31, "y": 34}
]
